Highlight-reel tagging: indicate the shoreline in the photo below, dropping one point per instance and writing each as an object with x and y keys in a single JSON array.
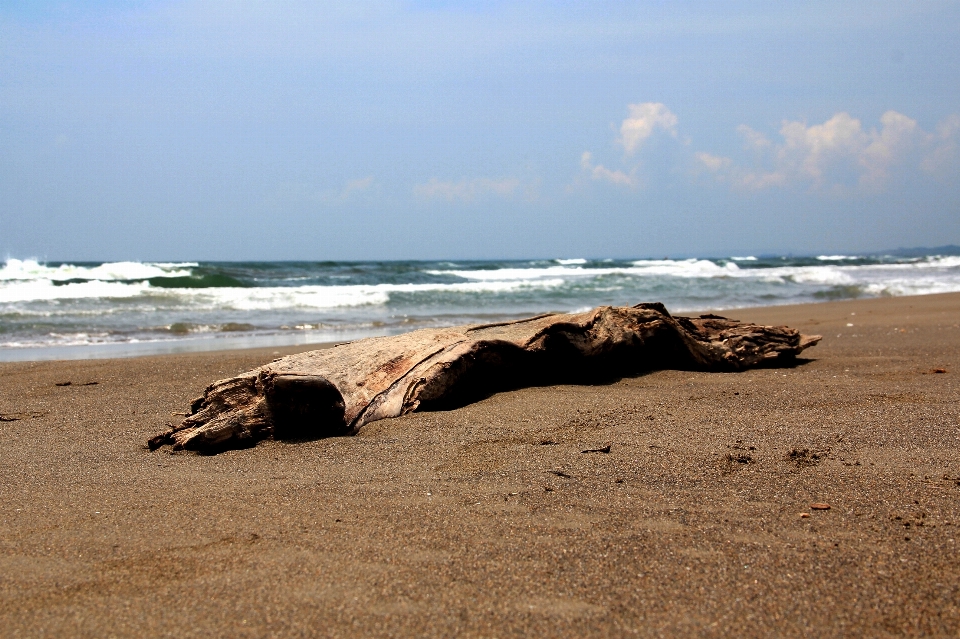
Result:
[
  {"x": 287, "y": 344},
  {"x": 505, "y": 517}
]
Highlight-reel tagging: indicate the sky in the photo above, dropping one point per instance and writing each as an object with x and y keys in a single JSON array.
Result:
[{"x": 476, "y": 130}]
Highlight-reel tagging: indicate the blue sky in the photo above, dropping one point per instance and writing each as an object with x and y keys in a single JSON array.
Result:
[{"x": 406, "y": 130}]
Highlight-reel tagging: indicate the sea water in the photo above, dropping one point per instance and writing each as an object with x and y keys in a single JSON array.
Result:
[{"x": 78, "y": 310}]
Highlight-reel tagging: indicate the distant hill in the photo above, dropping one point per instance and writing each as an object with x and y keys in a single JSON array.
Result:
[{"x": 949, "y": 249}]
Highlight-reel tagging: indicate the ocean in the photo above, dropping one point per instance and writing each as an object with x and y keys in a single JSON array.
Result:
[{"x": 79, "y": 310}]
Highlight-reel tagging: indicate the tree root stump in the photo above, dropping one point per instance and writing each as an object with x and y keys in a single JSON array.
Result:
[{"x": 335, "y": 391}]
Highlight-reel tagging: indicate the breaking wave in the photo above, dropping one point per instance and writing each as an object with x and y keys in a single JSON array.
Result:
[{"x": 56, "y": 304}]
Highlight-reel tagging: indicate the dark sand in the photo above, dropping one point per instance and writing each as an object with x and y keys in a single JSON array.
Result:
[{"x": 489, "y": 520}]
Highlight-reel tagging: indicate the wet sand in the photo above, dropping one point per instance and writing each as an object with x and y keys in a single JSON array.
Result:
[{"x": 490, "y": 520}]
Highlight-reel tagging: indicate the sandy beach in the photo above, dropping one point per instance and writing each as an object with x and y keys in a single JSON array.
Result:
[{"x": 491, "y": 520}]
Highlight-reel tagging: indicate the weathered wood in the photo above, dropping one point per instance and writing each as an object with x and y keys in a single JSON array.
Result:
[{"x": 336, "y": 391}]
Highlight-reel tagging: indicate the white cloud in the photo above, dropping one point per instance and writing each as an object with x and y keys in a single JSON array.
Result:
[
  {"x": 466, "y": 190},
  {"x": 645, "y": 117},
  {"x": 943, "y": 157},
  {"x": 754, "y": 140},
  {"x": 713, "y": 162},
  {"x": 897, "y": 141},
  {"x": 838, "y": 155},
  {"x": 354, "y": 186},
  {"x": 308, "y": 192},
  {"x": 350, "y": 190},
  {"x": 602, "y": 173}
]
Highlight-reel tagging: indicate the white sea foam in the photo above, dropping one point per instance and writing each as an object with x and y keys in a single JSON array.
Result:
[
  {"x": 530, "y": 274},
  {"x": 15, "y": 269},
  {"x": 676, "y": 268},
  {"x": 826, "y": 274},
  {"x": 685, "y": 268},
  {"x": 938, "y": 262},
  {"x": 28, "y": 281},
  {"x": 252, "y": 298},
  {"x": 895, "y": 287},
  {"x": 115, "y": 302},
  {"x": 13, "y": 291},
  {"x": 338, "y": 296}
]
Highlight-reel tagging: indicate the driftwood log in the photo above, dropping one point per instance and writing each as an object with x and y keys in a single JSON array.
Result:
[{"x": 336, "y": 391}]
